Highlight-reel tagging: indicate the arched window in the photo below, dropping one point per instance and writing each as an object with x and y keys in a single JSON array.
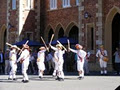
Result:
[
  {"x": 50, "y": 34},
  {"x": 61, "y": 33},
  {"x": 74, "y": 33}
]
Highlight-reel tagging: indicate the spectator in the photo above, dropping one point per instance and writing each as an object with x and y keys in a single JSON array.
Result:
[
  {"x": 7, "y": 64},
  {"x": 33, "y": 62},
  {"x": 51, "y": 65},
  {"x": 30, "y": 67},
  {"x": 117, "y": 61},
  {"x": 86, "y": 66},
  {"x": 1, "y": 62}
]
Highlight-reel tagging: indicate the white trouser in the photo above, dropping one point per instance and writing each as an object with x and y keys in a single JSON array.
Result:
[
  {"x": 13, "y": 66},
  {"x": 24, "y": 70},
  {"x": 103, "y": 64},
  {"x": 56, "y": 68},
  {"x": 80, "y": 67},
  {"x": 60, "y": 69},
  {"x": 86, "y": 68},
  {"x": 41, "y": 67}
]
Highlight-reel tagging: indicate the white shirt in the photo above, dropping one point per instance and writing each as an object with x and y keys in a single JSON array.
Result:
[
  {"x": 41, "y": 55},
  {"x": 24, "y": 55},
  {"x": 58, "y": 53},
  {"x": 49, "y": 57},
  {"x": 13, "y": 55},
  {"x": 117, "y": 57},
  {"x": 99, "y": 54},
  {"x": 80, "y": 53}
]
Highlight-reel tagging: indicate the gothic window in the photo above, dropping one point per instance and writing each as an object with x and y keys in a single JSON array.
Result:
[
  {"x": 50, "y": 34},
  {"x": 13, "y": 4},
  {"x": 53, "y": 4},
  {"x": 61, "y": 33},
  {"x": 66, "y": 3}
]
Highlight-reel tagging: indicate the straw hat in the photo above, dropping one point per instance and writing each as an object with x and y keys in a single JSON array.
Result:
[
  {"x": 42, "y": 48},
  {"x": 78, "y": 46},
  {"x": 25, "y": 46},
  {"x": 59, "y": 46}
]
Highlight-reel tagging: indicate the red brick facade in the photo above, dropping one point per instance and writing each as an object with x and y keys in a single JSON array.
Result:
[{"x": 3, "y": 12}]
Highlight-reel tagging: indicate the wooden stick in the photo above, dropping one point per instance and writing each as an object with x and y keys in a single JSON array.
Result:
[
  {"x": 9, "y": 44},
  {"x": 44, "y": 43},
  {"x": 62, "y": 45},
  {"x": 12, "y": 45},
  {"x": 68, "y": 45},
  {"x": 23, "y": 47},
  {"x": 51, "y": 39}
]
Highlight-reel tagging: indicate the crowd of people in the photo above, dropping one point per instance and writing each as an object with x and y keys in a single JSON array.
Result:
[{"x": 51, "y": 61}]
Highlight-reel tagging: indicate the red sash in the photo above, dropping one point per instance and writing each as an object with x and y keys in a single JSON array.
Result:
[
  {"x": 102, "y": 53},
  {"x": 80, "y": 58}
]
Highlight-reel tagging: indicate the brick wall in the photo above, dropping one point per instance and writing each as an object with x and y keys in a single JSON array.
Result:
[
  {"x": 60, "y": 15},
  {"x": 3, "y": 12}
]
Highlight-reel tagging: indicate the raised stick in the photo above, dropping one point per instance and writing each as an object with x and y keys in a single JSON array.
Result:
[
  {"x": 44, "y": 43},
  {"x": 12, "y": 45},
  {"x": 62, "y": 45},
  {"x": 68, "y": 44},
  {"x": 51, "y": 39},
  {"x": 23, "y": 47}
]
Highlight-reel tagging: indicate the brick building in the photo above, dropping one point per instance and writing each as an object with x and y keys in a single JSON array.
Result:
[
  {"x": 21, "y": 20},
  {"x": 91, "y": 22}
]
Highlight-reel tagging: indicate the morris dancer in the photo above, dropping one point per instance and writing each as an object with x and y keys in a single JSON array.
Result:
[
  {"x": 13, "y": 59},
  {"x": 80, "y": 59},
  {"x": 40, "y": 61},
  {"x": 58, "y": 55},
  {"x": 103, "y": 64},
  {"x": 24, "y": 60}
]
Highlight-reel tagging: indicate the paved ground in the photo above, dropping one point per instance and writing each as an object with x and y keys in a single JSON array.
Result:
[{"x": 70, "y": 83}]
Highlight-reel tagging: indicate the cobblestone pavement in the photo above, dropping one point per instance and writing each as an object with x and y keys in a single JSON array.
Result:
[{"x": 70, "y": 83}]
